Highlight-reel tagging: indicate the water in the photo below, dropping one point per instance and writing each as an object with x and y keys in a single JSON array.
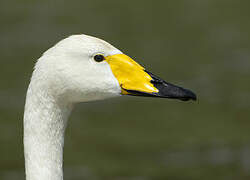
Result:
[{"x": 201, "y": 45}]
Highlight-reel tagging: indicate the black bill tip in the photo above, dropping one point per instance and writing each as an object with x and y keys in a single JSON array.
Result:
[
  {"x": 166, "y": 90},
  {"x": 175, "y": 92},
  {"x": 169, "y": 90}
]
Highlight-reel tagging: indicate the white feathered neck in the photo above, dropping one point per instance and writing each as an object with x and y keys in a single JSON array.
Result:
[{"x": 64, "y": 75}]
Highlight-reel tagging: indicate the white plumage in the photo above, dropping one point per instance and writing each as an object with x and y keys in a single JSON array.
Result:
[{"x": 66, "y": 74}]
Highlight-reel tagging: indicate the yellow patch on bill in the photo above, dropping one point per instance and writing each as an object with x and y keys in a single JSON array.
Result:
[{"x": 130, "y": 75}]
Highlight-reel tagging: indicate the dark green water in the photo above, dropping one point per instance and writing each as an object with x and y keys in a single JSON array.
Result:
[{"x": 201, "y": 45}]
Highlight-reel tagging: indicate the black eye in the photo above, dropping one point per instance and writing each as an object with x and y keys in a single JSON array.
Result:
[{"x": 99, "y": 58}]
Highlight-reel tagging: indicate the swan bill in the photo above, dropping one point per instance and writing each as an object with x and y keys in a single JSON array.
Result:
[
  {"x": 166, "y": 90},
  {"x": 136, "y": 81}
]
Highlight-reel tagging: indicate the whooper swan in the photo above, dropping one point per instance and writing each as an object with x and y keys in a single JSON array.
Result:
[{"x": 79, "y": 68}]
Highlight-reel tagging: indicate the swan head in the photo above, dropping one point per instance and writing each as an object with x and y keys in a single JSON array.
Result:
[{"x": 82, "y": 68}]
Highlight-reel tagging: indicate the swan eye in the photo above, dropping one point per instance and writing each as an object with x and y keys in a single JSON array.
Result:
[{"x": 99, "y": 58}]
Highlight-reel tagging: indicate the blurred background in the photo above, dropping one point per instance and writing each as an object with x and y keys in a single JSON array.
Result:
[{"x": 200, "y": 45}]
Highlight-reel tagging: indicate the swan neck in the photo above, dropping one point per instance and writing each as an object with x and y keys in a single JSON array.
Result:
[{"x": 45, "y": 120}]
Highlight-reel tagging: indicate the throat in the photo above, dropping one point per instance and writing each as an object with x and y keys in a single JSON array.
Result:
[{"x": 45, "y": 120}]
